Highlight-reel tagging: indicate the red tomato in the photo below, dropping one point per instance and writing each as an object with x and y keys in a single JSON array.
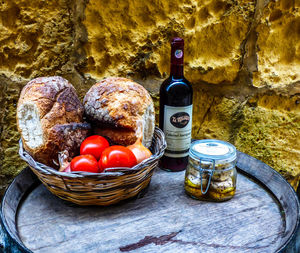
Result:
[
  {"x": 86, "y": 163},
  {"x": 94, "y": 145},
  {"x": 117, "y": 156}
]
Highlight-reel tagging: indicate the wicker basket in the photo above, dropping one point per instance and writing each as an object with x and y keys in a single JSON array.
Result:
[{"x": 110, "y": 187}]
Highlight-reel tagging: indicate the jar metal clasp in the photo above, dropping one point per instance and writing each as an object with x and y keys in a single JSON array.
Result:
[{"x": 209, "y": 172}]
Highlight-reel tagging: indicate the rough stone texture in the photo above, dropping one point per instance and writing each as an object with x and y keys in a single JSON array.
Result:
[
  {"x": 132, "y": 37},
  {"x": 10, "y": 163},
  {"x": 279, "y": 45},
  {"x": 264, "y": 126},
  {"x": 242, "y": 57},
  {"x": 269, "y": 129},
  {"x": 33, "y": 34}
]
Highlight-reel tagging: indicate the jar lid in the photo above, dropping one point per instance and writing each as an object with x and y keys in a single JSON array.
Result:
[{"x": 208, "y": 150}]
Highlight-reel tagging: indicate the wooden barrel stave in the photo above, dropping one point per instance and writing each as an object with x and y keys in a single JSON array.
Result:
[{"x": 275, "y": 183}]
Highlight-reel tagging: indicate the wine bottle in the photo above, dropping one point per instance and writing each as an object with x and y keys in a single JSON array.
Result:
[{"x": 175, "y": 115}]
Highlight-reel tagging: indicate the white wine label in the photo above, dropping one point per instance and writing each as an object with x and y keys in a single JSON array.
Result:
[{"x": 178, "y": 130}]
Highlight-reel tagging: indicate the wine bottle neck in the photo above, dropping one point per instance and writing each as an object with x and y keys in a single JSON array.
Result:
[
  {"x": 176, "y": 71},
  {"x": 177, "y": 50}
]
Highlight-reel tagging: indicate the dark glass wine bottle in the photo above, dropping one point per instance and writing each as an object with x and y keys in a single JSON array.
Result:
[{"x": 175, "y": 115}]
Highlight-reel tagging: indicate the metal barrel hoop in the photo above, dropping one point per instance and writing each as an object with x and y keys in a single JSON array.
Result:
[{"x": 2, "y": 241}]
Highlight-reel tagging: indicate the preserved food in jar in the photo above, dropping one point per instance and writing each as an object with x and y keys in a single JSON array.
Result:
[{"x": 211, "y": 172}]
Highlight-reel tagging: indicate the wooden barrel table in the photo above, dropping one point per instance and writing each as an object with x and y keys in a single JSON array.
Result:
[{"x": 263, "y": 216}]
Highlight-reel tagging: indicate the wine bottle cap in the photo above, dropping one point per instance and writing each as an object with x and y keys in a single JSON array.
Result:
[{"x": 177, "y": 40}]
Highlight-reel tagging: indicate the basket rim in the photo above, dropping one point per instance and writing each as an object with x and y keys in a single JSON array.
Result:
[{"x": 109, "y": 172}]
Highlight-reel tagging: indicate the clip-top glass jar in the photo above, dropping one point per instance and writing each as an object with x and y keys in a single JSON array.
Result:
[{"x": 211, "y": 172}]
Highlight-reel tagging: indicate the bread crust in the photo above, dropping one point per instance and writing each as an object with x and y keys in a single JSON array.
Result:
[
  {"x": 44, "y": 104},
  {"x": 117, "y": 103},
  {"x": 62, "y": 137},
  {"x": 120, "y": 136},
  {"x": 55, "y": 98},
  {"x": 103, "y": 103}
]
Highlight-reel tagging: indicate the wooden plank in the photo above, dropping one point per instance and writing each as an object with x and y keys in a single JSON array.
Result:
[{"x": 164, "y": 220}]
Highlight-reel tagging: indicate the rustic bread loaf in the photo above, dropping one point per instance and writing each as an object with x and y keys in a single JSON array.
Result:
[
  {"x": 49, "y": 119},
  {"x": 122, "y": 110}
]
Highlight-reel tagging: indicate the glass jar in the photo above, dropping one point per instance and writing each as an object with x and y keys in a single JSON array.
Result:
[{"x": 211, "y": 171}]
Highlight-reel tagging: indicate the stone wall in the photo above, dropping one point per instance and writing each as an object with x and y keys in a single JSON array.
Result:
[{"x": 242, "y": 56}]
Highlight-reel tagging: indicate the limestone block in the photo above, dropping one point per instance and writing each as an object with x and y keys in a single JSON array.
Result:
[
  {"x": 212, "y": 115},
  {"x": 10, "y": 163},
  {"x": 131, "y": 38},
  {"x": 264, "y": 126},
  {"x": 35, "y": 37},
  {"x": 278, "y": 45},
  {"x": 270, "y": 132}
]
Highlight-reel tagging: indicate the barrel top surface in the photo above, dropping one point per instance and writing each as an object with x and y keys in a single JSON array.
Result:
[
  {"x": 263, "y": 216},
  {"x": 164, "y": 220}
]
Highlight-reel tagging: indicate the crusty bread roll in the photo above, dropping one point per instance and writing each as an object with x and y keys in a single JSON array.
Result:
[
  {"x": 49, "y": 119},
  {"x": 122, "y": 110}
]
